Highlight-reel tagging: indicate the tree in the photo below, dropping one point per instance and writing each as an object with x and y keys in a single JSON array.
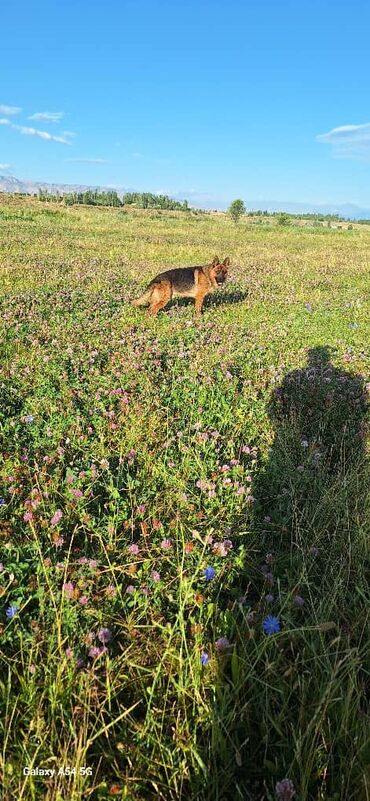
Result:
[
  {"x": 236, "y": 209},
  {"x": 284, "y": 219}
]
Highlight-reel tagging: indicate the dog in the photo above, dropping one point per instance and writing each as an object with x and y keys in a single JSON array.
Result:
[{"x": 184, "y": 282}]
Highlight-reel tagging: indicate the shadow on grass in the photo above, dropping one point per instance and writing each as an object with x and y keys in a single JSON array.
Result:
[
  {"x": 218, "y": 299},
  {"x": 226, "y": 298},
  {"x": 294, "y": 703}
]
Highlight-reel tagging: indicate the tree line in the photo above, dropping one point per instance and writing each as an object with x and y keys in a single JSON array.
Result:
[
  {"x": 237, "y": 209},
  {"x": 94, "y": 197}
]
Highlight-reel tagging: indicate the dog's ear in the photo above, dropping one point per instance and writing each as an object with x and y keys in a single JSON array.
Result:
[
  {"x": 216, "y": 261},
  {"x": 227, "y": 262}
]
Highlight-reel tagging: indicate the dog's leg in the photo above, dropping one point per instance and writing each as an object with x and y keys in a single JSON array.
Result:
[
  {"x": 155, "y": 308},
  {"x": 199, "y": 302},
  {"x": 144, "y": 299},
  {"x": 160, "y": 297}
]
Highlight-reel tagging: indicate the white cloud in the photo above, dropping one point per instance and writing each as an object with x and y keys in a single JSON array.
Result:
[
  {"x": 26, "y": 131},
  {"x": 88, "y": 161},
  {"x": 349, "y": 141},
  {"x": 47, "y": 116},
  {"x": 4, "y": 166},
  {"x": 10, "y": 110}
]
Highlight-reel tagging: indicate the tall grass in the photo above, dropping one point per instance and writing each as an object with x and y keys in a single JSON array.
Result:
[{"x": 167, "y": 486}]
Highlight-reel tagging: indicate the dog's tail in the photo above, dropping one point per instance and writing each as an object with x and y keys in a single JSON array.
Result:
[{"x": 144, "y": 299}]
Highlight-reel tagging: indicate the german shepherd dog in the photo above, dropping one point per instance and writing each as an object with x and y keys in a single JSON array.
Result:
[{"x": 185, "y": 282}]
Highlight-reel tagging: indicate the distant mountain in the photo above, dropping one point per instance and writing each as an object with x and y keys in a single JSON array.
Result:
[
  {"x": 8, "y": 183},
  {"x": 350, "y": 210}
]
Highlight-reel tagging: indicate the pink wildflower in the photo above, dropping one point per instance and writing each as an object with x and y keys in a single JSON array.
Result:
[
  {"x": 68, "y": 588},
  {"x": 57, "y": 516},
  {"x": 166, "y": 544}
]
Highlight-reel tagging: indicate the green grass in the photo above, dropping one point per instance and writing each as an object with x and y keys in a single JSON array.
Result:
[{"x": 237, "y": 443}]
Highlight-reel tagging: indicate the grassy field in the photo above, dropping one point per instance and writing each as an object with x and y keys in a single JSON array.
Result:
[{"x": 184, "y": 534}]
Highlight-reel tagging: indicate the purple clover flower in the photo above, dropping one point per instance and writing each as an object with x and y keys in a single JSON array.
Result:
[
  {"x": 104, "y": 635},
  {"x": 97, "y": 650},
  {"x": 298, "y": 601},
  {"x": 285, "y": 790},
  {"x": 222, "y": 644}
]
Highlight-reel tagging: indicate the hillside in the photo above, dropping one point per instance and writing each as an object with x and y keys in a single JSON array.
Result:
[{"x": 351, "y": 211}]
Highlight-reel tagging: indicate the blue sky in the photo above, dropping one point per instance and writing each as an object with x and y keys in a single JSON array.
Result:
[{"x": 221, "y": 99}]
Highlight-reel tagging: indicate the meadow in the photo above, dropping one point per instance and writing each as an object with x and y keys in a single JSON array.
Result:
[{"x": 184, "y": 511}]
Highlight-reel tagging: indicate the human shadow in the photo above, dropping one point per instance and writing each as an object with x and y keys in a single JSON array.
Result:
[
  {"x": 318, "y": 416},
  {"x": 305, "y": 572}
]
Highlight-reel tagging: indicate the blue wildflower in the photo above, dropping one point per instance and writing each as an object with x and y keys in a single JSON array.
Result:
[
  {"x": 271, "y": 625},
  {"x": 11, "y": 611},
  {"x": 204, "y": 658},
  {"x": 29, "y": 418},
  {"x": 209, "y": 573},
  {"x": 2, "y": 501}
]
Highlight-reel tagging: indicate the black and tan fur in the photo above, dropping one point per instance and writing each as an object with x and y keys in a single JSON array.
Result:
[{"x": 185, "y": 282}]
